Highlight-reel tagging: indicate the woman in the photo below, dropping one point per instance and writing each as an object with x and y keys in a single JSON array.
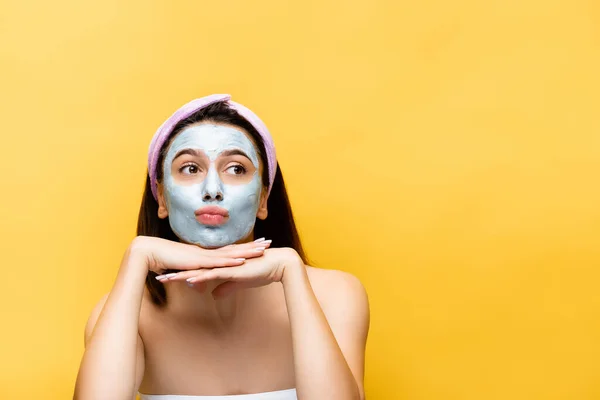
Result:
[{"x": 200, "y": 308}]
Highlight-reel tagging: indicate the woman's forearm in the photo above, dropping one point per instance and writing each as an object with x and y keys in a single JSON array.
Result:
[
  {"x": 107, "y": 369},
  {"x": 320, "y": 367}
]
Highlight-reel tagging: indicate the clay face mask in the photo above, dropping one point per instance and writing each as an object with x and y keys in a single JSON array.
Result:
[{"x": 210, "y": 203}]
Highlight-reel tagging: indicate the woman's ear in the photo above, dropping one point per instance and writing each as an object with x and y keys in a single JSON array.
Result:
[
  {"x": 162, "y": 206},
  {"x": 262, "y": 212}
]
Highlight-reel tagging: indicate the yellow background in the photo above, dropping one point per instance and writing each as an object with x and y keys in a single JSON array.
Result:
[{"x": 445, "y": 152}]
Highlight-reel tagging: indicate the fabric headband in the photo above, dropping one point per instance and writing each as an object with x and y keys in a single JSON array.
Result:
[{"x": 165, "y": 130}]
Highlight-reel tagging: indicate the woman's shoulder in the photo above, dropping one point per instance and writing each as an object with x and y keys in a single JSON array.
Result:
[
  {"x": 93, "y": 318},
  {"x": 335, "y": 277},
  {"x": 338, "y": 290}
]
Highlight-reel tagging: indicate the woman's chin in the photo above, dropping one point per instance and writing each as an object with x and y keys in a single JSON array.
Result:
[
  {"x": 214, "y": 242},
  {"x": 211, "y": 244}
]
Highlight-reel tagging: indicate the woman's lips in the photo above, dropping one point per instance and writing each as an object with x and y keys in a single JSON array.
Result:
[{"x": 211, "y": 215}]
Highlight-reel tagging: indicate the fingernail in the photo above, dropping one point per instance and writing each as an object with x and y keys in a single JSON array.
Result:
[
  {"x": 259, "y": 249},
  {"x": 190, "y": 284},
  {"x": 240, "y": 259},
  {"x": 167, "y": 276},
  {"x": 190, "y": 280},
  {"x": 268, "y": 241},
  {"x": 259, "y": 240}
]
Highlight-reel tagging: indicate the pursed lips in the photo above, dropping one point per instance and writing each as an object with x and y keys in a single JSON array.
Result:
[{"x": 211, "y": 215}]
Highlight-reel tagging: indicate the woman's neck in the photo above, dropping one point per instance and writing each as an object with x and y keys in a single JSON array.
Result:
[
  {"x": 190, "y": 304},
  {"x": 187, "y": 302}
]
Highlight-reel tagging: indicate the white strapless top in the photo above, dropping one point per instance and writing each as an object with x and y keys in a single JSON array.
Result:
[{"x": 288, "y": 394}]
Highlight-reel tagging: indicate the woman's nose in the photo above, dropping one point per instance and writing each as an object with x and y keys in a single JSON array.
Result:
[{"x": 213, "y": 188}]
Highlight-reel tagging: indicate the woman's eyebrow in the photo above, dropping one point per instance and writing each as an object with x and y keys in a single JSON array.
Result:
[
  {"x": 192, "y": 152},
  {"x": 234, "y": 152}
]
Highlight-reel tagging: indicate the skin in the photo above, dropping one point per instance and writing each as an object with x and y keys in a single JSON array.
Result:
[{"x": 263, "y": 324}]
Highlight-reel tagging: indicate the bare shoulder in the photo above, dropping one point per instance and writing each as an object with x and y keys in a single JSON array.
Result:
[
  {"x": 339, "y": 292},
  {"x": 94, "y": 314},
  {"x": 99, "y": 306},
  {"x": 333, "y": 281}
]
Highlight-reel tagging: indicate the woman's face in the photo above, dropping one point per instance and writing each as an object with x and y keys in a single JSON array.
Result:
[{"x": 212, "y": 185}]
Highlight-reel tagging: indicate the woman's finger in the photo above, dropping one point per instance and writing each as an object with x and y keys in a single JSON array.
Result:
[
  {"x": 226, "y": 273},
  {"x": 199, "y": 287},
  {"x": 256, "y": 243},
  {"x": 219, "y": 262},
  {"x": 205, "y": 262},
  {"x": 181, "y": 276},
  {"x": 245, "y": 250},
  {"x": 197, "y": 275}
]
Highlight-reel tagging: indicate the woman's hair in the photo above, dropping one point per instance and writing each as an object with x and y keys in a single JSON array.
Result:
[{"x": 279, "y": 226}]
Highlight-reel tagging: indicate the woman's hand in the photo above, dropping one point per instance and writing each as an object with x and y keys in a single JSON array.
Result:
[
  {"x": 256, "y": 272},
  {"x": 162, "y": 255}
]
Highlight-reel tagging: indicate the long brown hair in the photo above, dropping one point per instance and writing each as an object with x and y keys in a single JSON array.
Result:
[{"x": 279, "y": 226}]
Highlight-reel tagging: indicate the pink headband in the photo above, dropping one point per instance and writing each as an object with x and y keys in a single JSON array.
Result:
[{"x": 163, "y": 132}]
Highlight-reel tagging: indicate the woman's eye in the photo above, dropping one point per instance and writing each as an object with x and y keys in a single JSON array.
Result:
[
  {"x": 189, "y": 169},
  {"x": 236, "y": 170}
]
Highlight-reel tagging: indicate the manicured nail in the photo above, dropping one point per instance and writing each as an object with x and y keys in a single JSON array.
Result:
[
  {"x": 268, "y": 241},
  {"x": 167, "y": 276},
  {"x": 190, "y": 280},
  {"x": 259, "y": 240},
  {"x": 259, "y": 249},
  {"x": 240, "y": 259}
]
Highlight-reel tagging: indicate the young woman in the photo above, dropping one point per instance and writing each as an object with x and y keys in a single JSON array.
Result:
[{"x": 213, "y": 298}]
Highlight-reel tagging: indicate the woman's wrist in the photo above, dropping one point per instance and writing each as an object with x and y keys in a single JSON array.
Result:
[
  {"x": 132, "y": 273},
  {"x": 136, "y": 258},
  {"x": 294, "y": 270}
]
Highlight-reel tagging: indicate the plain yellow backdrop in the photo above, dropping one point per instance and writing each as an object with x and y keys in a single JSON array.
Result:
[{"x": 445, "y": 152}]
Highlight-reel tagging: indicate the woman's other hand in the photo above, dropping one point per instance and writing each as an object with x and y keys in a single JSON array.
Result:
[
  {"x": 162, "y": 255},
  {"x": 255, "y": 272}
]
